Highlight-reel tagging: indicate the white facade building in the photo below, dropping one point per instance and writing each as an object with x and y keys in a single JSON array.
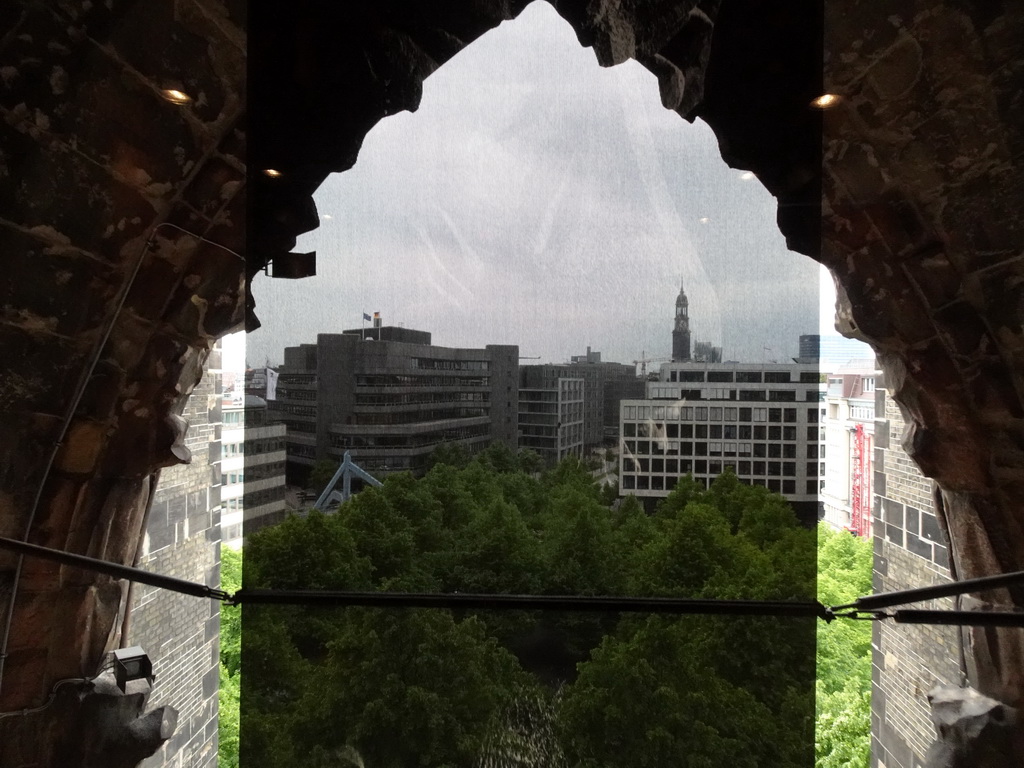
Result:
[
  {"x": 763, "y": 420},
  {"x": 849, "y": 444},
  {"x": 252, "y": 468}
]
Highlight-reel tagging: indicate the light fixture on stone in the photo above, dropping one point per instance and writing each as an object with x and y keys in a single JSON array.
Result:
[
  {"x": 176, "y": 96},
  {"x": 272, "y": 173},
  {"x": 133, "y": 670},
  {"x": 826, "y": 101}
]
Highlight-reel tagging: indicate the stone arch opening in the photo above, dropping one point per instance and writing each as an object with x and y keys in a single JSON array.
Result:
[
  {"x": 921, "y": 184},
  {"x": 932, "y": 287}
]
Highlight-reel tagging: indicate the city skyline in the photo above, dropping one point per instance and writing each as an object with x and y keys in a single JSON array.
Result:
[{"x": 545, "y": 202}]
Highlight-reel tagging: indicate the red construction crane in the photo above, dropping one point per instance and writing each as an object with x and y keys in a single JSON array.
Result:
[{"x": 858, "y": 524}]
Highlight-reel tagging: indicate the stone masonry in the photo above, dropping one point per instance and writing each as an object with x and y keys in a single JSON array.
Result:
[
  {"x": 908, "y": 660},
  {"x": 180, "y": 633}
]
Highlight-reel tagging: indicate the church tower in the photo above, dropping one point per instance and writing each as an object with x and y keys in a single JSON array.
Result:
[{"x": 681, "y": 330}]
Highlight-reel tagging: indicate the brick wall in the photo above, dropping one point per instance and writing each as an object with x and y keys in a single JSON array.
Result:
[
  {"x": 179, "y": 632},
  {"x": 910, "y": 551}
]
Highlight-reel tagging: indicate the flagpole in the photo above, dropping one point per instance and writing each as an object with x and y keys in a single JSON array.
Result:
[{"x": 362, "y": 336}]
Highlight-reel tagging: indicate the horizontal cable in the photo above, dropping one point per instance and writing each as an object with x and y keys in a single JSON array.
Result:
[{"x": 576, "y": 603}]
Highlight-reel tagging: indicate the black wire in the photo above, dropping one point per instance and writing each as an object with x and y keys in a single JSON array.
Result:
[{"x": 577, "y": 603}]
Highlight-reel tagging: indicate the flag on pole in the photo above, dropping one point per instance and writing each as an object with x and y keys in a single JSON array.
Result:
[{"x": 366, "y": 316}]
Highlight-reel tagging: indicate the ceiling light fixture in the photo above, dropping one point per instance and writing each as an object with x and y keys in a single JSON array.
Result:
[
  {"x": 826, "y": 101},
  {"x": 176, "y": 96},
  {"x": 272, "y": 173}
]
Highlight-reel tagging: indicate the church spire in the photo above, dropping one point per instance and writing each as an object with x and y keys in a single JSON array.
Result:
[{"x": 681, "y": 329}]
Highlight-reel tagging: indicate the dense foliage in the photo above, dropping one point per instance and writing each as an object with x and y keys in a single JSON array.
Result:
[
  {"x": 844, "y": 654},
  {"x": 390, "y": 688},
  {"x": 230, "y": 662}
]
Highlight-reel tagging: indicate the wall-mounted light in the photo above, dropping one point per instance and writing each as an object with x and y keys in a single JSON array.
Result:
[
  {"x": 272, "y": 173},
  {"x": 133, "y": 670},
  {"x": 826, "y": 101},
  {"x": 175, "y": 96}
]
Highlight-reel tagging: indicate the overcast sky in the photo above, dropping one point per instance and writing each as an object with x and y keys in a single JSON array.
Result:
[{"x": 540, "y": 200}]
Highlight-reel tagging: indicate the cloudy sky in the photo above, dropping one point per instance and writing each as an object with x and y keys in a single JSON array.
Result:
[{"x": 540, "y": 200}]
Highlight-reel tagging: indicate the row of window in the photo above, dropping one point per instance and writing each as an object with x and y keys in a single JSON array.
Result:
[
  {"x": 711, "y": 413},
  {"x": 716, "y": 431},
  {"x": 410, "y": 441},
  {"x": 687, "y": 448},
  {"x": 744, "y": 377},
  {"x": 422, "y": 398},
  {"x": 437, "y": 364},
  {"x": 415, "y": 417},
  {"x": 744, "y": 395},
  {"x": 263, "y": 471},
  {"x": 658, "y": 483},
  {"x": 702, "y": 467},
  {"x": 398, "y": 380}
]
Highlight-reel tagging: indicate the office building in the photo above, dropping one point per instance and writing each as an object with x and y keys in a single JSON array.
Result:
[
  {"x": 391, "y": 398},
  {"x": 604, "y": 385},
  {"x": 849, "y": 426},
  {"x": 551, "y": 417},
  {"x": 252, "y": 469},
  {"x": 762, "y": 420}
]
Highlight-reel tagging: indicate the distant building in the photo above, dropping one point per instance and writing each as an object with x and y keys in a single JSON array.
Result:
[
  {"x": 391, "y": 398},
  {"x": 837, "y": 351},
  {"x": 603, "y": 389},
  {"x": 705, "y": 352},
  {"x": 590, "y": 357},
  {"x": 810, "y": 348},
  {"x": 849, "y": 444},
  {"x": 252, "y": 469},
  {"x": 763, "y": 421},
  {"x": 551, "y": 418}
]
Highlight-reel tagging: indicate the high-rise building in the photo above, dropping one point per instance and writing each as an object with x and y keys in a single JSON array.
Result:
[
  {"x": 252, "y": 468},
  {"x": 551, "y": 417},
  {"x": 681, "y": 328},
  {"x": 761, "y": 420},
  {"x": 392, "y": 398}
]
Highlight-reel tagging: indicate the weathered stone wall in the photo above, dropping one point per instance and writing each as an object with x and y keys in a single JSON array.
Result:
[
  {"x": 908, "y": 660},
  {"x": 922, "y": 228},
  {"x": 105, "y": 191},
  {"x": 179, "y": 632}
]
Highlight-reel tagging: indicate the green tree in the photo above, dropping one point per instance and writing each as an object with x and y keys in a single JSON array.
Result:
[
  {"x": 652, "y": 699},
  {"x": 230, "y": 661},
  {"x": 409, "y": 687},
  {"x": 322, "y": 473},
  {"x": 844, "y": 654}
]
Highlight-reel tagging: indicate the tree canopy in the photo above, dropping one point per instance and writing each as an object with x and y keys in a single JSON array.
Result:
[{"x": 443, "y": 688}]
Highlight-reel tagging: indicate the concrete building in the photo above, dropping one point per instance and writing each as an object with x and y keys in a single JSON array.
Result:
[
  {"x": 252, "y": 469},
  {"x": 849, "y": 427},
  {"x": 604, "y": 385},
  {"x": 551, "y": 418},
  {"x": 763, "y": 421},
  {"x": 392, "y": 399},
  {"x": 911, "y": 550}
]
